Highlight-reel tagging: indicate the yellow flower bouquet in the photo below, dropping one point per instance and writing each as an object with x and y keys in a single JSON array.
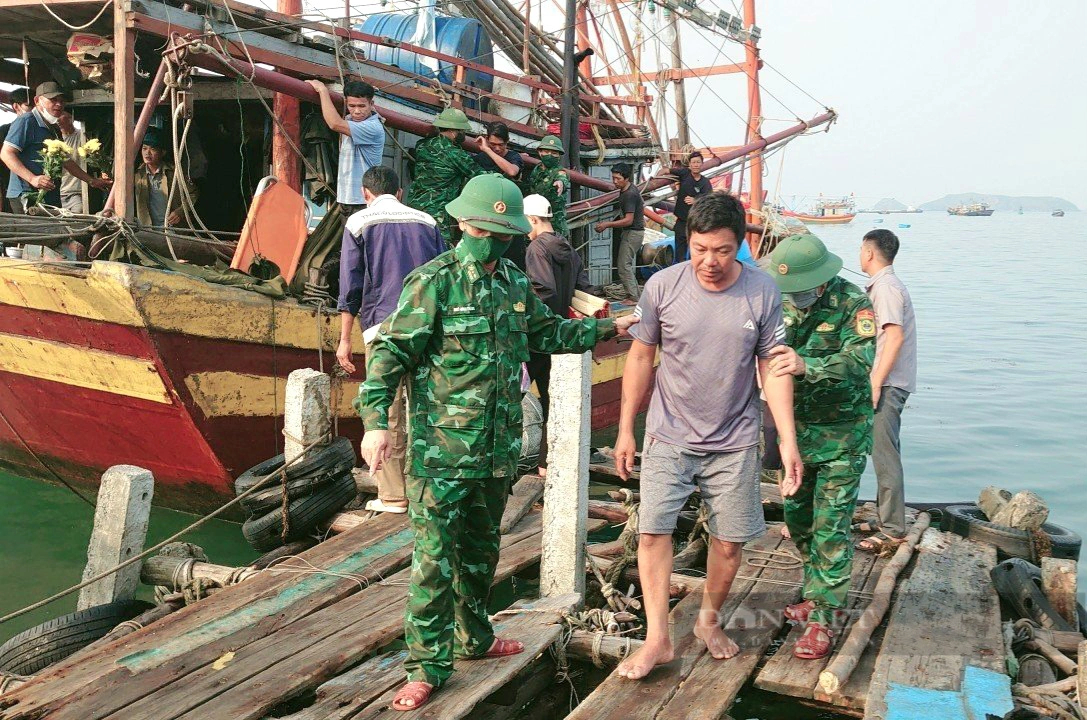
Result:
[
  {"x": 91, "y": 151},
  {"x": 53, "y": 156}
]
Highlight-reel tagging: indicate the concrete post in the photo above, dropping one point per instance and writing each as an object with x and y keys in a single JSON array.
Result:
[
  {"x": 566, "y": 492},
  {"x": 1081, "y": 674},
  {"x": 305, "y": 417},
  {"x": 120, "y": 528}
]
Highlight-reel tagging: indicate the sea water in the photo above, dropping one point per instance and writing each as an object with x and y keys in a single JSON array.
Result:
[{"x": 1001, "y": 399}]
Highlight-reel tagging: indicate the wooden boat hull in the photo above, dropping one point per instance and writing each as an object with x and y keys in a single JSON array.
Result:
[
  {"x": 823, "y": 219},
  {"x": 117, "y": 364}
]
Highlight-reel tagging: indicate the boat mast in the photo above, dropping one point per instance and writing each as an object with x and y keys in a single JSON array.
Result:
[
  {"x": 683, "y": 134},
  {"x": 570, "y": 138},
  {"x": 754, "y": 105},
  {"x": 285, "y": 163}
]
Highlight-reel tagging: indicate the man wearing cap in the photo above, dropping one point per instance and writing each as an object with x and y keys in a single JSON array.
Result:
[
  {"x": 549, "y": 179},
  {"x": 442, "y": 167},
  {"x": 830, "y": 329},
  {"x": 20, "y": 104},
  {"x": 465, "y": 323},
  {"x": 555, "y": 270},
  {"x": 152, "y": 185},
  {"x": 23, "y": 146}
]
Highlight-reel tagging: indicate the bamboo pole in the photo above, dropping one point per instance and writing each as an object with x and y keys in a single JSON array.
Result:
[
  {"x": 1065, "y": 664},
  {"x": 839, "y": 670},
  {"x": 585, "y": 645}
]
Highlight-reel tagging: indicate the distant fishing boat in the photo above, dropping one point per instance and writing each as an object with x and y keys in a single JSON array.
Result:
[
  {"x": 828, "y": 212},
  {"x": 972, "y": 210},
  {"x": 1057, "y": 213}
]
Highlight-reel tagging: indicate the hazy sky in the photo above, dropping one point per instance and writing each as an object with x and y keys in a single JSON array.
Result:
[{"x": 934, "y": 97}]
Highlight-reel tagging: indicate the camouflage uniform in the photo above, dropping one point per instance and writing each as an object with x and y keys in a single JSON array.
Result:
[
  {"x": 460, "y": 334},
  {"x": 833, "y": 407},
  {"x": 542, "y": 182},
  {"x": 441, "y": 170}
]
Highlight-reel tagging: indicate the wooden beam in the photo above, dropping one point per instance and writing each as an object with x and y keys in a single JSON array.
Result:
[
  {"x": 124, "y": 90},
  {"x": 673, "y": 75}
]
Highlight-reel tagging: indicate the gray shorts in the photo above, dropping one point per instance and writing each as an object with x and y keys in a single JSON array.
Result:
[{"x": 728, "y": 481}]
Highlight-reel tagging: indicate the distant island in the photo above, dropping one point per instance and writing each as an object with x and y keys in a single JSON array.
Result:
[
  {"x": 889, "y": 205},
  {"x": 1003, "y": 203}
]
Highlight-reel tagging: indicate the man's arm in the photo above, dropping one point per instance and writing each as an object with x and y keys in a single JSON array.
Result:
[
  {"x": 548, "y": 333},
  {"x": 508, "y": 168},
  {"x": 892, "y": 344},
  {"x": 10, "y": 156},
  {"x": 329, "y": 112},
  {"x": 625, "y": 221},
  {"x": 637, "y": 377},
  {"x": 352, "y": 273},
  {"x": 73, "y": 169},
  {"x": 540, "y": 273},
  {"x": 779, "y": 397}
]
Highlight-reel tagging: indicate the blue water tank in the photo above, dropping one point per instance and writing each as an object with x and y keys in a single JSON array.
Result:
[{"x": 464, "y": 38}]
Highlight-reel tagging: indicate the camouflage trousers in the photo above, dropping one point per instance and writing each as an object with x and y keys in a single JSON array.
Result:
[
  {"x": 819, "y": 516},
  {"x": 456, "y": 528}
]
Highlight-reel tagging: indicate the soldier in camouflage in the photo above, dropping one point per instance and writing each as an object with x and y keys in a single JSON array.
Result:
[
  {"x": 442, "y": 167},
  {"x": 830, "y": 331},
  {"x": 549, "y": 179},
  {"x": 465, "y": 323}
]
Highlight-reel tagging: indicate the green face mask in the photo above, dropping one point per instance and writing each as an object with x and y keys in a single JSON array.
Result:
[
  {"x": 487, "y": 249},
  {"x": 550, "y": 161}
]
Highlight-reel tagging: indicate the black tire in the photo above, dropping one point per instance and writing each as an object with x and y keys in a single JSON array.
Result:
[
  {"x": 39, "y": 647},
  {"x": 337, "y": 456},
  {"x": 265, "y": 533},
  {"x": 1019, "y": 584},
  {"x": 969, "y": 522},
  {"x": 264, "y": 501}
]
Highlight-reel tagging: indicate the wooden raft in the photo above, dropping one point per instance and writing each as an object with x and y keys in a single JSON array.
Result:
[
  {"x": 695, "y": 685},
  {"x": 252, "y": 646}
]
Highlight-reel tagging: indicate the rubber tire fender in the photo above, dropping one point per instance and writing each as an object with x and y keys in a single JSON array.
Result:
[
  {"x": 1019, "y": 584},
  {"x": 334, "y": 457},
  {"x": 264, "y": 501},
  {"x": 265, "y": 533},
  {"x": 39, "y": 647},
  {"x": 969, "y": 521}
]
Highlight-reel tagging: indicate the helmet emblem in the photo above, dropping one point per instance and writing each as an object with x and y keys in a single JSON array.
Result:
[
  {"x": 500, "y": 207},
  {"x": 783, "y": 269}
]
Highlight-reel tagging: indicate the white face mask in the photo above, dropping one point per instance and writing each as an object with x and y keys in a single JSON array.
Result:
[{"x": 49, "y": 118}]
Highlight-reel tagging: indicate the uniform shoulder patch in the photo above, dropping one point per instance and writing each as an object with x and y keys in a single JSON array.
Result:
[
  {"x": 865, "y": 323},
  {"x": 519, "y": 307}
]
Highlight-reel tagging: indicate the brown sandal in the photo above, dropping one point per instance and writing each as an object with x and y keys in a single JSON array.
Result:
[
  {"x": 880, "y": 543},
  {"x": 814, "y": 643},
  {"x": 416, "y": 691},
  {"x": 504, "y": 648},
  {"x": 800, "y": 611}
]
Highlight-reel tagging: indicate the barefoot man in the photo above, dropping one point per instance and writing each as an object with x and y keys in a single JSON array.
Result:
[
  {"x": 465, "y": 322},
  {"x": 714, "y": 320}
]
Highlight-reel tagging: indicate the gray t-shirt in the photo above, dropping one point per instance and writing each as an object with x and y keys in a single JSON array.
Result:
[
  {"x": 706, "y": 397},
  {"x": 893, "y": 306}
]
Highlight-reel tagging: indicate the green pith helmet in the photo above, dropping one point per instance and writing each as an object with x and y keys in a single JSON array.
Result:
[
  {"x": 491, "y": 202},
  {"x": 802, "y": 262},
  {"x": 550, "y": 142},
  {"x": 452, "y": 119}
]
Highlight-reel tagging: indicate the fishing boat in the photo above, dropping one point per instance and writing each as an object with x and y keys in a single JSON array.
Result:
[
  {"x": 140, "y": 354},
  {"x": 1057, "y": 213},
  {"x": 979, "y": 209},
  {"x": 828, "y": 212}
]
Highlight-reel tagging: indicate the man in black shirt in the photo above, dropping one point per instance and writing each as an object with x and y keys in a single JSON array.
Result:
[
  {"x": 691, "y": 185},
  {"x": 630, "y": 228},
  {"x": 20, "y": 103},
  {"x": 495, "y": 154}
]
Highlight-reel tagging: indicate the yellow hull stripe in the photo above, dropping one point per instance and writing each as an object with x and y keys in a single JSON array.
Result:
[
  {"x": 96, "y": 294},
  {"x": 230, "y": 394},
  {"x": 82, "y": 367}
]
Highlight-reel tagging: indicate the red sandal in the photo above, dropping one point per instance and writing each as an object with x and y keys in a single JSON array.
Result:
[
  {"x": 504, "y": 648},
  {"x": 815, "y": 643},
  {"x": 800, "y": 611},
  {"x": 416, "y": 691}
]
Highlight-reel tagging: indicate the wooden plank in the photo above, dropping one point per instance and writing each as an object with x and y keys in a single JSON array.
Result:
[
  {"x": 710, "y": 689},
  {"x": 124, "y": 88},
  {"x": 526, "y": 492},
  {"x": 784, "y": 673},
  {"x": 619, "y": 697},
  {"x": 946, "y": 617},
  {"x": 358, "y": 549}
]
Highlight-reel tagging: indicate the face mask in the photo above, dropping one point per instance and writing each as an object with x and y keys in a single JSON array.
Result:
[
  {"x": 51, "y": 119},
  {"x": 458, "y": 139},
  {"x": 804, "y": 300},
  {"x": 550, "y": 161},
  {"x": 486, "y": 249}
]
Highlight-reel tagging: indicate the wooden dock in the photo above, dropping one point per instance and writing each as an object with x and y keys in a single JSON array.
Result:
[
  {"x": 275, "y": 637},
  {"x": 946, "y": 618}
]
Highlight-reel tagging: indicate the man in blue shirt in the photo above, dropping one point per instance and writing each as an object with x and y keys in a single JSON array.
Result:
[
  {"x": 363, "y": 141},
  {"x": 23, "y": 146},
  {"x": 382, "y": 243}
]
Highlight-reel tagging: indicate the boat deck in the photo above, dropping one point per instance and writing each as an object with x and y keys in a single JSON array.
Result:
[
  {"x": 279, "y": 636},
  {"x": 945, "y": 618}
]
